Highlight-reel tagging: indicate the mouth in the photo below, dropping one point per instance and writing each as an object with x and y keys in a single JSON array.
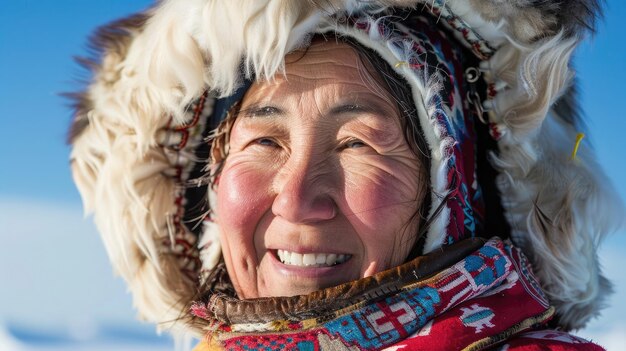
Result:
[{"x": 311, "y": 259}]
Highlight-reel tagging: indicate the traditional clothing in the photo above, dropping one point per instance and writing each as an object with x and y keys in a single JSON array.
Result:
[
  {"x": 491, "y": 87},
  {"x": 489, "y": 299}
]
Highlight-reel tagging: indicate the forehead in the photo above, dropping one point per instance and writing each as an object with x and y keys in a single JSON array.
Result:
[
  {"x": 323, "y": 60},
  {"x": 329, "y": 67}
]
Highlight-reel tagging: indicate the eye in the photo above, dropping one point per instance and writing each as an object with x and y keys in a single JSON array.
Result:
[
  {"x": 353, "y": 144},
  {"x": 266, "y": 142}
]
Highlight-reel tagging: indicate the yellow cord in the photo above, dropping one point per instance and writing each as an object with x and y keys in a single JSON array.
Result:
[
  {"x": 579, "y": 138},
  {"x": 400, "y": 63}
]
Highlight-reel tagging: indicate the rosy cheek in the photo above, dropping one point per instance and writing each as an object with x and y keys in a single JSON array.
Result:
[
  {"x": 381, "y": 211},
  {"x": 242, "y": 199},
  {"x": 374, "y": 202}
]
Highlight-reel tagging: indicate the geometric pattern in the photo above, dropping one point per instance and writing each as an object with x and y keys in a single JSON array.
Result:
[{"x": 456, "y": 301}]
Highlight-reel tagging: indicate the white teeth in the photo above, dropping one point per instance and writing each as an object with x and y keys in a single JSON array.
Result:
[
  {"x": 296, "y": 259},
  {"x": 311, "y": 259},
  {"x": 308, "y": 259},
  {"x": 330, "y": 259},
  {"x": 320, "y": 259}
]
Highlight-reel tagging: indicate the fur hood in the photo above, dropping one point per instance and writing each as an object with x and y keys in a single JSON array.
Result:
[{"x": 140, "y": 122}]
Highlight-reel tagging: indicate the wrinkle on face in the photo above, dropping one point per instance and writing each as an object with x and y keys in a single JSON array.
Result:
[{"x": 317, "y": 160}]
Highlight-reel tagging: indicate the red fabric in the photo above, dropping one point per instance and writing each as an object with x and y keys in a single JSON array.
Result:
[
  {"x": 547, "y": 340},
  {"x": 490, "y": 300}
]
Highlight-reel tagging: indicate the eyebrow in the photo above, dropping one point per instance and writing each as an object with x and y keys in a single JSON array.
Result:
[
  {"x": 262, "y": 111},
  {"x": 358, "y": 108},
  {"x": 342, "y": 109}
]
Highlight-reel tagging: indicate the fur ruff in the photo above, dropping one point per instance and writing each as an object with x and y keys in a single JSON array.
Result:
[{"x": 155, "y": 64}]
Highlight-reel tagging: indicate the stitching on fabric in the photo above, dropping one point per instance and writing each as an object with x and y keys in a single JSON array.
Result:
[
  {"x": 475, "y": 42},
  {"x": 523, "y": 325},
  {"x": 182, "y": 243}
]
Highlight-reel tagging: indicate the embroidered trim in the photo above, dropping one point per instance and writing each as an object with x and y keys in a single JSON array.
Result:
[
  {"x": 471, "y": 38},
  {"x": 179, "y": 145},
  {"x": 526, "y": 324}
]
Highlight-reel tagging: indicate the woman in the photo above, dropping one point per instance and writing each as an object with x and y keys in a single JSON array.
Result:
[{"x": 375, "y": 175}]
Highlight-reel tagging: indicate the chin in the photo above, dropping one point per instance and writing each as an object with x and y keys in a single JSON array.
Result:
[{"x": 292, "y": 290}]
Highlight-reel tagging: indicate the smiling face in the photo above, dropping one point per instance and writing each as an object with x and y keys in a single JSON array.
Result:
[{"x": 319, "y": 186}]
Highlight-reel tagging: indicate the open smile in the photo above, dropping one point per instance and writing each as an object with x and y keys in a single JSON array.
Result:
[{"x": 311, "y": 259}]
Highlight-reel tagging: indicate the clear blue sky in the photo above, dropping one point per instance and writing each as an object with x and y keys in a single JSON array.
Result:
[{"x": 37, "y": 42}]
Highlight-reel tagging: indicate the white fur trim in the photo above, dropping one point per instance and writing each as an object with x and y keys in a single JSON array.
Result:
[{"x": 210, "y": 248}]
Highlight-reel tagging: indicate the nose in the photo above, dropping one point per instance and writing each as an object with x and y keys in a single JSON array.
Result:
[{"x": 304, "y": 192}]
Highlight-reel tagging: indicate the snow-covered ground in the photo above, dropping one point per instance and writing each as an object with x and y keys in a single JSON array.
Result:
[
  {"x": 57, "y": 289},
  {"x": 14, "y": 338}
]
